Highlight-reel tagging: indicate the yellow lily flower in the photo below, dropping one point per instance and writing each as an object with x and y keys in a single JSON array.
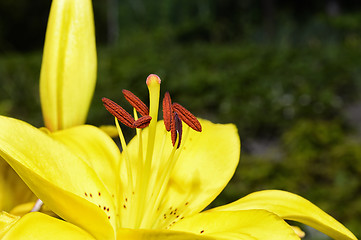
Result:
[
  {"x": 155, "y": 188},
  {"x": 67, "y": 81}
]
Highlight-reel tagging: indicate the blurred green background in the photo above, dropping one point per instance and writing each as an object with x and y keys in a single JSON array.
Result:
[{"x": 287, "y": 73}]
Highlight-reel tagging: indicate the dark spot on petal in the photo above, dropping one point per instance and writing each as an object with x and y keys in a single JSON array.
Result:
[
  {"x": 202, "y": 231},
  {"x": 99, "y": 193}
]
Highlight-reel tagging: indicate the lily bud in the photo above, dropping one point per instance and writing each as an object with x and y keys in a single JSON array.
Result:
[{"x": 68, "y": 70}]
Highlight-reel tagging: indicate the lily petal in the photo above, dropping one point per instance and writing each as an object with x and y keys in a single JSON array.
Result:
[
  {"x": 6, "y": 222},
  {"x": 291, "y": 207},
  {"x": 192, "y": 184},
  {"x": 250, "y": 224},
  {"x": 68, "y": 70},
  {"x": 213, "y": 152},
  {"x": 97, "y": 149},
  {"x": 48, "y": 166},
  {"x": 22, "y": 209},
  {"x": 41, "y": 226},
  {"x": 13, "y": 190},
  {"x": 145, "y": 234}
]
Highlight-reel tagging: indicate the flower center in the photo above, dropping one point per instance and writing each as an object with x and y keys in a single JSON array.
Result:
[{"x": 148, "y": 168}]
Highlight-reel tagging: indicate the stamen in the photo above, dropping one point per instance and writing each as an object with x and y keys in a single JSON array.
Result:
[
  {"x": 37, "y": 206},
  {"x": 173, "y": 131},
  {"x": 134, "y": 213},
  {"x": 187, "y": 117},
  {"x": 142, "y": 122},
  {"x": 178, "y": 128},
  {"x": 140, "y": 143},
  {"x": 167, "y": 111},
  {"x": 118, "y": 112},
  {"x": 126, "y": 155},
  {"x": 136, "y": 102}
]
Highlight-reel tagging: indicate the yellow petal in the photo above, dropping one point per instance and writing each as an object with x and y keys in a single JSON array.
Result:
[
  {"x": 247, "y": 224},
  {"x": 68, "y": 70},
  {"x": 22, "y": 209},
  {"x": 206, "y": 163},
  {"x": 6, "y": 222},
  {"x": 291, "y": 207},
  {"x": 57, "y": 176},
  {"x": 13, "y": 190},
  {"x": 41, "y": 226},
  {"x": 205, "y": 166},
  {"x": 97, "y": 149},
  {"x": 144, "y": 234}
]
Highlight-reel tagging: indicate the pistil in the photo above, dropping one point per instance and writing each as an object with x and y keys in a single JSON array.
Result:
[{"x": 153, "y": 83}]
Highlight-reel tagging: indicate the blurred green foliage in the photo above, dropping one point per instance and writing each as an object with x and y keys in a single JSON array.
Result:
[
  {"x": 264, "y": 89},
  {"x": 19, "y": 92},
  {"x": 291, "y": 90},
  {"x": 318, "y": 160}
]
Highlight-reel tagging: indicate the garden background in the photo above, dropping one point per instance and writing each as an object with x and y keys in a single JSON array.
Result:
[{"x": 287, "y": 73}]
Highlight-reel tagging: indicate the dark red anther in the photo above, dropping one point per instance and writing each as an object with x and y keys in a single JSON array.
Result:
[
  {"x": 167, "y": 111},
  {"x": 118, "y": 112},
  {"x": 187, "y": 117},
  {"x": 173, "y": 131},
  {"x": 136, "y": 102},
  {"x": 178, "y": 128},
  {"x": 142, "y": 122}
]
